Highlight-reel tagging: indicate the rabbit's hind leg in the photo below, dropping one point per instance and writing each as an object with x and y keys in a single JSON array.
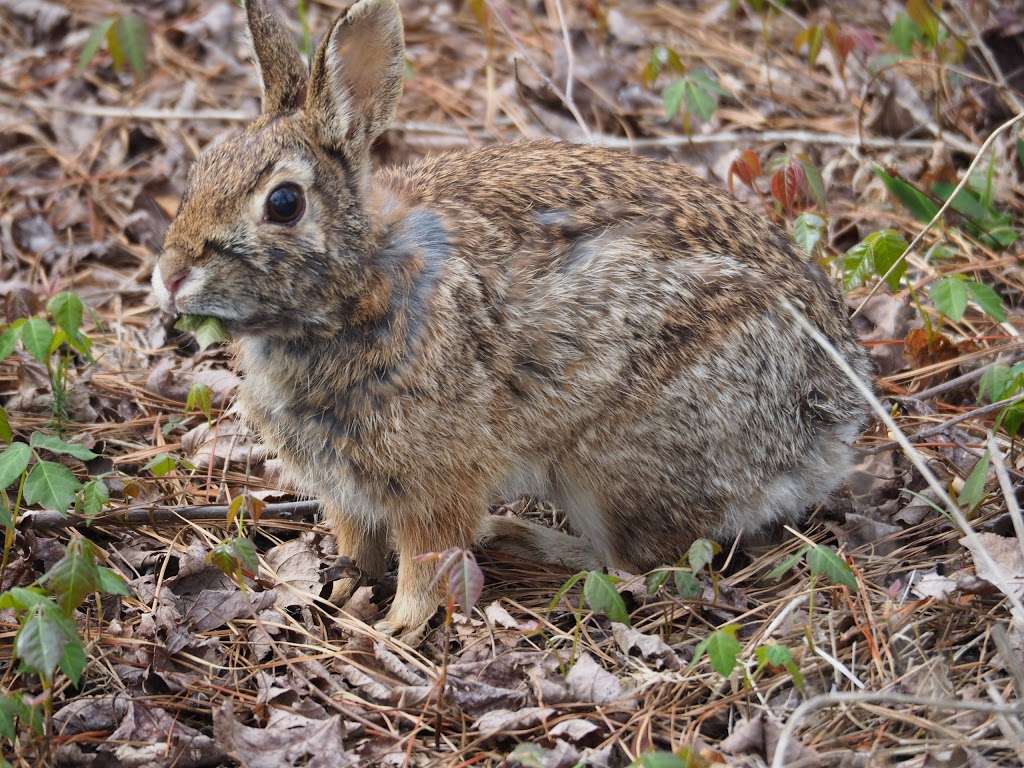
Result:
[{"x": 536, "y": 543}]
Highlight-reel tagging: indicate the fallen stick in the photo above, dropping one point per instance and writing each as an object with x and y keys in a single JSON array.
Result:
[{"x": 155, "y": 515}]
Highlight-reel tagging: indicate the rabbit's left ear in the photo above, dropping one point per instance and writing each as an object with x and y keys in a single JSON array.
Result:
[
  {"x": 356, "y": 78},
  {"x": 283, "y": 74}
]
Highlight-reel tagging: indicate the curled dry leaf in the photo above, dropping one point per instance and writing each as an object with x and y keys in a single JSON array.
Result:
[
  {"x": 590, "y": 683},
  {"x": 295, "y": 741},
  {"x": 651, "y": 648},
  {"x": 296, "y": 566},
  {"x": 498, "y": 720}
]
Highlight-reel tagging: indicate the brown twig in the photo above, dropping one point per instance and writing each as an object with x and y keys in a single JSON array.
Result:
[{"x": 52, "y": 521}]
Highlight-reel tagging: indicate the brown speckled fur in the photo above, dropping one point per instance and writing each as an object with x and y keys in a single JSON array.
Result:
[{"x": 587, "y": 325}]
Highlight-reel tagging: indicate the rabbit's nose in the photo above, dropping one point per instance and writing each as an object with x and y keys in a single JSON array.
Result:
[{"x": 174, "y": 281}]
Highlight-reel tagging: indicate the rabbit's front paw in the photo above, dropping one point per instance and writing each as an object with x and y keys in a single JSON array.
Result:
[
  {"x": 342, "y": 590},
  {"x": 407, "y": 620}
]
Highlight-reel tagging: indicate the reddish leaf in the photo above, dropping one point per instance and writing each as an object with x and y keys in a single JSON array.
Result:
[
  {"x": 788, "y": 185},
  {"x": 747, "y": 167}
]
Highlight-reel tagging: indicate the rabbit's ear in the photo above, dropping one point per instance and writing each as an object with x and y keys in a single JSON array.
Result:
[
  {"x": 282, "y": 72},
  {"x": 356, "y": 77}
]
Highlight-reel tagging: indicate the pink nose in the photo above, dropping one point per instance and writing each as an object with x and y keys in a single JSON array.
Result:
[{"x": 173, "y": 282}]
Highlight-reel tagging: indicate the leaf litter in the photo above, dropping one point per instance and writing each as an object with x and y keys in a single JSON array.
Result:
[{"x": 196, "y": 668}]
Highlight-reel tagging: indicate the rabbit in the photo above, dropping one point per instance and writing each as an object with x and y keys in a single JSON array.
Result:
[{"x": 587, "y": 326}]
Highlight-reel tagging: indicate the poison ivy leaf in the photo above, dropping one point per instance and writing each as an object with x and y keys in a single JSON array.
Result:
[
  {"x": 66, "y": 309},
  {"x": 813, "y": 182},
  {"x": 823, "y": 561},
  {"x": 786, "y": 565},
  {"x": 22, "y": 599},
  {"x": 672, "y": 98},
  {"x": 13, "y": 462},
  {"x": 925, "y": 20},
  {"x": 702, "y": 92},
  {"x": 51, "y": 485},
  {"x": 602, "y": 597},
  {"x": 949, "y": 295},
  {"x": 161, "y": 465},
  {"x": 656, "y": 581},
  {"x": 11, "y": 708},
  {"x": 779, "y": 657},
  {"x": 207, "y": 330},
  {"x": 8, "y": 339},
  {"x": 986, "y": 298},
  {"x": 47, "y": 639},
  {"x": 36, "y": 335},
  {"x": 687, "y": 585},
  {"x": 974, "y": 486},
  {"x": 904, "y": 33},
  {"x": 200, "y": 398},
  {"x": 914, "y": 200},
  {"x": 92, "y": 498},
  {"x": 994, "y": 383},
  {"x": 92, "y": 45},
  {"x": 701, "y": 553},
  {"x": 235, "y": 557},
  {"x": 54, "y": 444},
  {"x": 875, "y": 255},
  {"x": 722, "y": 649},
  {"x": 658, "y": 760},
  {"x": 6, "y": 434},
  {"x": 131, "y": 36},
  {"x": 110, "y": 582},
  {"x": 564, "y": 589},
  {"x": 73, "y": 577}
]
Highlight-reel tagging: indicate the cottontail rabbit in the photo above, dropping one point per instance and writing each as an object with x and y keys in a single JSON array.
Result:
[{"x": 588, "y": 326}]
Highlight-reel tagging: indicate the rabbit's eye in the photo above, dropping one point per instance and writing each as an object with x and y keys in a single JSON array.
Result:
[{"x": 285, "y": 204}]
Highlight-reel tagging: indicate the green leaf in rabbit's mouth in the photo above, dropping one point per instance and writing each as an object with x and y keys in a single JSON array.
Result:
[{"x": 207, "y": 330}]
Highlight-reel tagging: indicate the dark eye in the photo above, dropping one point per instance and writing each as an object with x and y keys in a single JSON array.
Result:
[{"x": 285, "y": 204}]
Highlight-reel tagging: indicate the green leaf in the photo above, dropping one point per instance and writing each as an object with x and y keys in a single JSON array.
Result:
[
  {"x": 110, "y": 582},
  {"x": 974, "y": 486},
  {"x": 1020, "y": 152},
  {"x": 73, "y": 577},
  {"x": 672, "y": 97},
  {"x": 656, "y": 580},
  {"x": 702, "y": 91},
  {"x": 529, "y": 756},
  {"x": 602, "y": 597},
  {"x": 13, "y": 462},
  {"x": 92, "y": 45},
  {"x": 986, "y": 298},
  {"x": 808, "y": 231},
  {"x": 200, "y": 398},
  {"x": 22, "y": 599},
  {"x": 92, "y": 498},
  {"x": 687, "y": 585},
  {"x": 701, "y": 553},
  {"x": 46, "y": 640},
  {"x": 36, "y": 335},
  {"x": 161, "y": 465},
  {"x": 66, "y": 309},
  {"x": 6, "y": 434},
  {"x": 875, "y": 255},
  {"x": 658, "y": 760},
  {"x": 994, "y": 383},
  {"x": 779, "y": 657},
  {"x": 11, "y": 708},
  {"x": 207, "y": 330},
  {"x": 815, "y": 184},
  {"x": 949, "y": 295},
  {"x": 131, "y": 36},
  {"x": 786, "y": 565},
  {"x": 564, "y": 589},
  {"x": 904, "y": 33},
  {"x": 7, "y": 341},
  {"x": 723, "y": 649},
  {"x": 921, "y": 207},
  {"x": 823, "y": 561},
  {"x": 52, "y": 485},
  {"x": 54, "y": 444}
]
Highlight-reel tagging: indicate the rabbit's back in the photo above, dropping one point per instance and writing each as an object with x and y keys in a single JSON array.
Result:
[{"x": 624, "y": 319}]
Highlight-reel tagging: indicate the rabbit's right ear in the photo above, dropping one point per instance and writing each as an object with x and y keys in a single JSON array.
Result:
[
  {"x": 283, "y": 73},
  {"x": 356, "y": 78}
]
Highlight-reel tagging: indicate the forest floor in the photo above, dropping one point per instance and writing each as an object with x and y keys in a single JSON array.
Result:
[{"x": 887, "y": 629}]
